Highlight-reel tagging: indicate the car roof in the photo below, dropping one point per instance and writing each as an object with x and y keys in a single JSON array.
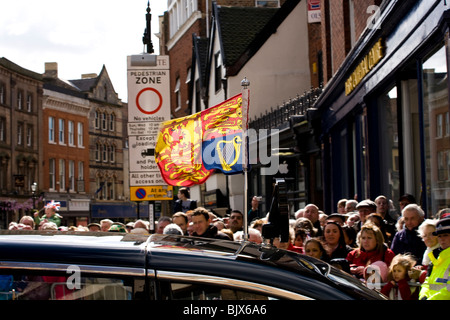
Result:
[
  {"x": 169, "y": 253},
  {"x": 105, "y": 248}
]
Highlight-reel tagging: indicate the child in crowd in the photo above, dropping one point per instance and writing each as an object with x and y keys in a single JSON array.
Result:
[
  {"x": 314, "y": 248},
  {"x": 398, "y": 287}
]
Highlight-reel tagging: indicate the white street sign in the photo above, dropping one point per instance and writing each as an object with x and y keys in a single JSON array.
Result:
[
  {"x": 148, "y": 107},
  {"x": 149, "y": 91}
]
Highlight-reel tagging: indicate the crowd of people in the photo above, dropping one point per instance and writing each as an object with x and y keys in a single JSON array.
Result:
[{"x": 405, "y": 256}]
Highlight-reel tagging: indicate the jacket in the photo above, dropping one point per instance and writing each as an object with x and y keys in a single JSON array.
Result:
[
  {"x": 56, "y": 218},
  {"x": 437, "y": 284},
  {"x": 358, "y": 257},
  {"x": 178, "y": 206},
  {"x": 400, "y": 291},
  {"x": 408, "y": 241},
  {"x": 212, "y": 232}
]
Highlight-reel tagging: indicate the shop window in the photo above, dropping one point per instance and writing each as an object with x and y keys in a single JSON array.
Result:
[
  {"x": 435, "y": 118},
  {"x": 389, "y": 144}
]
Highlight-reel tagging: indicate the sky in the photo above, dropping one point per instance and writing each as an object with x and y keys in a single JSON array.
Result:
[{"x": 81, "y": 36}]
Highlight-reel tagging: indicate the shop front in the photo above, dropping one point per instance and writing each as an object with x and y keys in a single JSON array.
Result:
[{"x": 385, "y": 126}]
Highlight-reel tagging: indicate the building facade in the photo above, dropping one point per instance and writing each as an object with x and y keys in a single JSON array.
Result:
[
  {"x": 65, "y": 154},
  {"x": 20, "y": 104},
  {"x": 246, "y": 42},
  {"x": 184, "y": 19},
  {"x": 107, "y": 161},
  {"x": 384, "y": 113}
]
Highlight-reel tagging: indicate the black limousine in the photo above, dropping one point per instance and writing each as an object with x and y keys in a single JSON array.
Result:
[{"x": 111, "y": 266}]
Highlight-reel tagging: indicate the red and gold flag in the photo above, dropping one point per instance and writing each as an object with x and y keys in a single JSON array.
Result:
[{"x": 190, "y": 148}]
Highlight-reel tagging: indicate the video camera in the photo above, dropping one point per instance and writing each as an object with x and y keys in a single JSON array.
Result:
[{"x": 278, "y": 225}]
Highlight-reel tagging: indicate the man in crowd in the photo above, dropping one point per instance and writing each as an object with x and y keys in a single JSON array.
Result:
[{"x": 202, "y": 225}]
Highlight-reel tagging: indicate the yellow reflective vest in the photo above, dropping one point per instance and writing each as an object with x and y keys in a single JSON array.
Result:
[{"x": 437, "y": 285}]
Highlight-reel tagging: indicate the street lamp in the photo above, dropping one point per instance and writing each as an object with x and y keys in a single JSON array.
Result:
[{"x": 33, "y": 189}]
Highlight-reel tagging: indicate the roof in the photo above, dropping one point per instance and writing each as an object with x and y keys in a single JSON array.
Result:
[
  {"x": 15, "y": 67},
  {"x": 87, "y": 85},
  {"x": 84, "y": 84},
  {"x": 77, "y": 247},
  {"x": 238, "y": 27},
  {"x": 62, "y": 86},
  {"x": 244, "y": 30},
  {"x": 200, "y": 48}
]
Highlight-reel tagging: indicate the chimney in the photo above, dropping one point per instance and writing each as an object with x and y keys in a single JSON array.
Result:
[
  {"x": 89, "y": 76},
  {"x": 51, "y": 70}
]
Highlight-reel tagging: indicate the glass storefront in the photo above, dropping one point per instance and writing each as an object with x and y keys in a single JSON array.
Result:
[
  {"x": 436, "y": 130},
  {"x": 389, "y": 144}
]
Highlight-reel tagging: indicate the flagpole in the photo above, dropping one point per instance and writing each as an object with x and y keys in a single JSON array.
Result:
[{"x": 245, "y": 105}]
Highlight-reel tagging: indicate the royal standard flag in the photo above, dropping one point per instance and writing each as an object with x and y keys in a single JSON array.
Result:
[{"x": 189, "y": 149}]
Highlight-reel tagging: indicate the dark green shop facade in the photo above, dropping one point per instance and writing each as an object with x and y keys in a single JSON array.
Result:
[{"x": 384, "y": 124}]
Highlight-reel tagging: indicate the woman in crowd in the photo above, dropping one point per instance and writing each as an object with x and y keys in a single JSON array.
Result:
[
  {"x": 371, "y": 248},
  {"x": 334, "y": 238}
]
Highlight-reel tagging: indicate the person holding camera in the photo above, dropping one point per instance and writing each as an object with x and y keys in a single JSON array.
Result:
[{"x": 253, "y": 213}]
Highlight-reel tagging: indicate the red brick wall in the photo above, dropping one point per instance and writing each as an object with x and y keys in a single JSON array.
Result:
[
  {"x": 336, "y": 30},
  {"x": 57, "y": 151},
  {"x": 180, "y": 61}
]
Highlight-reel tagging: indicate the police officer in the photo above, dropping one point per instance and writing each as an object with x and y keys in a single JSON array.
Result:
[{"x": 437, "y": 284}]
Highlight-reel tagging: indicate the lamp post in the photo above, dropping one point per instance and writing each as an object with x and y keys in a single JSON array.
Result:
[{"x": 33, "y": 189}]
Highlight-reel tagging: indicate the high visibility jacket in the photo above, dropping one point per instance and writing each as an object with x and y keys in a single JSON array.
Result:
[{"x": 437, "y": 285}]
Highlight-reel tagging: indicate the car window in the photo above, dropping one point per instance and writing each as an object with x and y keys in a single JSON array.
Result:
[
  {"x": 194, "y": 291},
  {"x": 53, "y": 286}
]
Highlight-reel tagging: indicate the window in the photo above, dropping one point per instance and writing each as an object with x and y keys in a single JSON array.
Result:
[
  {"x": 20, "y": 134},
  {"x": 60, "y": 285},
  {"x": 72, "y": 175},
  {"x": 104, "y": 122},
  {"x": 105, "y": 91},
  {"x": 80, "y": 176},
  {"x": 19, "y": 100},
  {"x": 29, "y": 136},
  {"x": 97, "y": 120},
  {"x": 439, "y": 124},
  {"x": 61, "y": 131},
  {"x": 97, "y": 152},
  {"x": 177, "y": 95},
  {"x": 71, "y": 130},
  {"x": 218, "y": 72},
  {"x": 112, "y": 153},
  {"x": 268, "y": 3},
  {"x": 2, "y": 129},
  {"x": 201, "y": 291},
  {"x": 62, "y": 174},
  {"x": 29, "y": 102},
  {"x": 389, "y": 148},
  {"x": 51, "y": 129},
  {"x": 80, "y": 134},
  {"x": 447, "y": 124},
  {"x": 435, "y": 108},
  {"x": 2, "y": 93},
  {"x": 189, "y": 75},
  {"x": 105, "y": 153},
  {"x": 112, "y": 119},
  {"x": 52, "y": 174}
]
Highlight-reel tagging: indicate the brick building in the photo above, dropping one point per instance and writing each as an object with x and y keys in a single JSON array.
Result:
[
  {"x": 182, "y": 21},
  {"x": 65, "y": 147},
  {"x": 383, "y": 118},
  {"x": 343, "y": 22},
  {"x": 20, "y": 102}
]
